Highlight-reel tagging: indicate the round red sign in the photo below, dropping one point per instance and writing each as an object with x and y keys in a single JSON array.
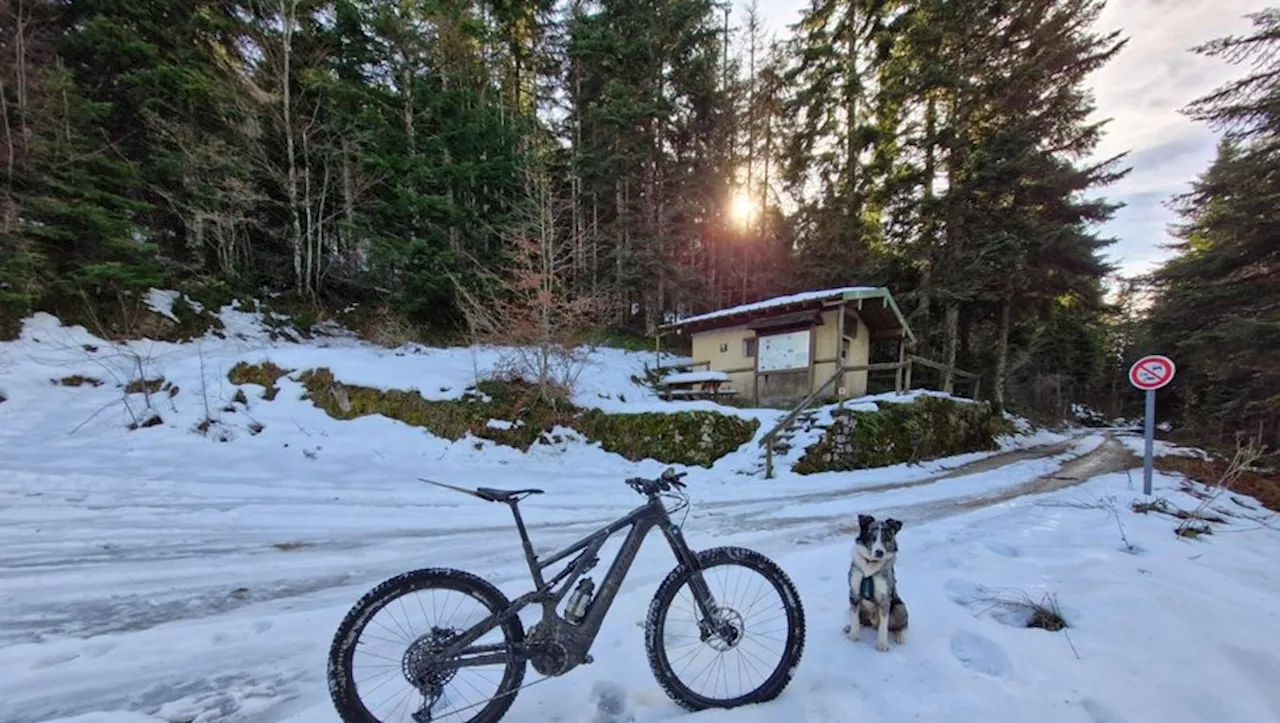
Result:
[{"x": 1151, "y": 372}]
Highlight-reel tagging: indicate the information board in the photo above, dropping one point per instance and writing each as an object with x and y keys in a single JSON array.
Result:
[{"x": 783, "y": 352}]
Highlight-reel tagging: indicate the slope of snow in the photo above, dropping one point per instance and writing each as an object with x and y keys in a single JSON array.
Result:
[{"x": 161, "y": 575}]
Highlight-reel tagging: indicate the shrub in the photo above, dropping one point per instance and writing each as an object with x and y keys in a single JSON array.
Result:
[
  {"x": 264, "y": 374},
  {"x": 527, "y": 417}
]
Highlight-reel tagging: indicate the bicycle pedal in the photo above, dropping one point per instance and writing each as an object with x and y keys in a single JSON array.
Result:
[{"x": 588, "y": 660}]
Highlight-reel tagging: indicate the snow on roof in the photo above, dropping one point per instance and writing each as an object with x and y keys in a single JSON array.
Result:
[{"x": 801, "y": 297}]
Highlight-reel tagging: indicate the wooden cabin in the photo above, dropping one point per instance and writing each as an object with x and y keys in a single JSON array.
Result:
[{"x": 790, "y": 346}]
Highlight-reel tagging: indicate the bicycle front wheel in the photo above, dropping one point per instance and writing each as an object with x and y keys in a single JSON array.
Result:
[
  {"x": 747, "y": 653},
  {"x": 385, "y": 664}
]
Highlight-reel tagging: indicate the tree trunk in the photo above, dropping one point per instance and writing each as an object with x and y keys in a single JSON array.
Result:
[
  {"x": 1002, "y": 353},
  {"x": 953, "y": 279},
  {"x": 925, "y": 291},
  {"x": 575, "y": 182},
  {"x": 357, "y": 248},
  {"x": 952, "y": 321},
  {"x": 288, "y": 19},
  {"x": 15, "y": 139},
  {"x": 308, "y": 205},
  {"x": 8, "y": 203}
]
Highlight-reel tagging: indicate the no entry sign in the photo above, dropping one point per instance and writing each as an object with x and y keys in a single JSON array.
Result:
[{"x": 1151, "y": 372}]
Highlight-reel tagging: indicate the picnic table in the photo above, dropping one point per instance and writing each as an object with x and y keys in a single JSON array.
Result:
[{"x": 694, "y": 385}]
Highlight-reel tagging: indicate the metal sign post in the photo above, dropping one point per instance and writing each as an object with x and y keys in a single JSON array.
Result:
[{"x": 1149, "y": 374}]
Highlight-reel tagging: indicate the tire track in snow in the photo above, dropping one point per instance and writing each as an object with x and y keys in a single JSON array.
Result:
[
  {"x": 270, "y": 637},
  {"x": 157, "y": 598}
]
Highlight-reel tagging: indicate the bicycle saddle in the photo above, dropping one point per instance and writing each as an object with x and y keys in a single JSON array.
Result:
[{"x": 488, "y": 493}]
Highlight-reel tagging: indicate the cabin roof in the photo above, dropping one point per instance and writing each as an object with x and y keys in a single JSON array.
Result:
[{"x": 884, "y": 319}]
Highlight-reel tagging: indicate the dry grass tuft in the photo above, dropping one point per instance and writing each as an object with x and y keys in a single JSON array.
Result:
[
  {"x": 1241, "y": 480},
  {"x": 77, "y": 380}
]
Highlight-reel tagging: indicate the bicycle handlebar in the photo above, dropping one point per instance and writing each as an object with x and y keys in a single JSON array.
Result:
[{"x": 651, "y": 487}]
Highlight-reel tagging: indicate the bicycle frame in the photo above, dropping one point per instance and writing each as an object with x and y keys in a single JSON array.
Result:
[{"x": 641, "y": 520}]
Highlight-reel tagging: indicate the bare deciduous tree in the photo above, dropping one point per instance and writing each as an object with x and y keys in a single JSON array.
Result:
[
  {"x": 215, "y": 196},
  {"x": 532, "y": 304}
]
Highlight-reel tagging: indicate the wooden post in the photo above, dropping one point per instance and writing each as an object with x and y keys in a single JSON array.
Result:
[
  {"x": 813, "y": 357},
  {"x": 840, "y": 310},
  {"x": 768, "y": 459},
  {"x": 897, "y": 374},
  {"x": 906, "y": 386}
]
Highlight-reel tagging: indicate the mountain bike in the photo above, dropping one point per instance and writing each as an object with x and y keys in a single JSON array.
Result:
[{"x": 432, "y": 662}]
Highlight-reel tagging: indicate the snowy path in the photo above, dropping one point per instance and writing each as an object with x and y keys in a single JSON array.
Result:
[
  {"x": 162, "y": 576},
  {"x": 129, "y": 593},
  {"x": 168, "y": 550}
]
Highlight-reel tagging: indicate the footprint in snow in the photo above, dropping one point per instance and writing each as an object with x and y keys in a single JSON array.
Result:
[
  {"x": 97, "y": 648},
  {"x": 963, "y": 592},
  {"x": 48, "y": 661},
  {"x": 980, "y": 654},
  {"x": 1100, "y": 713},
  {"x": 1004, "y": 549},
  {"x": 610, "y": 703}
]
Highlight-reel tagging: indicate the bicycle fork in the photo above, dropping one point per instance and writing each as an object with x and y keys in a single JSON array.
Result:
[{"x": 711, "y": 622}]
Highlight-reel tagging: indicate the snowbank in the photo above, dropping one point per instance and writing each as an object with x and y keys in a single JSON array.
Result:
[{"x": 160, "y": 575}]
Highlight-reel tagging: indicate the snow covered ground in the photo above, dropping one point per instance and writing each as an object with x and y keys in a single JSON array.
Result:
[{"x": 162, "y": 575}]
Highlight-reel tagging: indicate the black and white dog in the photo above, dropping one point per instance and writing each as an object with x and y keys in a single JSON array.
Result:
[{"x": 873, "y": 588}]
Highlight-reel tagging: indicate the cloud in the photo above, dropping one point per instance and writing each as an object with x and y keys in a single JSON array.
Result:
[{"x": 1142, "y": 91}]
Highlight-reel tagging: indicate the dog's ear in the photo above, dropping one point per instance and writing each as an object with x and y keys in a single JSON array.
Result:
[
  {"x": 864, "y": 521},
  {"x": 893, "y": 525}
]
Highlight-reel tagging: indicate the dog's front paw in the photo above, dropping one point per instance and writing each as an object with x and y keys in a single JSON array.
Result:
[
  {"x": 900, "y": 637},
  {"x": 882, "y": 646}
]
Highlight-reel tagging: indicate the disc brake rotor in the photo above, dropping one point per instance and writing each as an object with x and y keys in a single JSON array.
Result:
[{"x": 724, "y": 632}]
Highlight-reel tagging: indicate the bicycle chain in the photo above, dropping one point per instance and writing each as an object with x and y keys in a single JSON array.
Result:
[{"x": 500, "y": 695}]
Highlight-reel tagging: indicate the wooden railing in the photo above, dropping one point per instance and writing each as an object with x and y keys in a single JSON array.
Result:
[
  {"x": 949, "y": 374},
  {"x": 771, "y": 437},
  {"x": 902, "y": 384}
]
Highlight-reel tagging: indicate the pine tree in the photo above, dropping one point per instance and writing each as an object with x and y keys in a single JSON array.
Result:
[
  {"x": 840, "y": 50},
  {"x": 72, "y": 225},
  {"x": 1217, "y": 305},
  {"x": 651, "y": 119},
  {"x": 989, "y": 190}
]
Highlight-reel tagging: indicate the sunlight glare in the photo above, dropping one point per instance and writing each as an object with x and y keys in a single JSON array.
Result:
[{"x": 742, "y": 209}]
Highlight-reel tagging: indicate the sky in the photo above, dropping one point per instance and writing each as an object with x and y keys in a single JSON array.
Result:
[{"x": 1142, "y": 91}]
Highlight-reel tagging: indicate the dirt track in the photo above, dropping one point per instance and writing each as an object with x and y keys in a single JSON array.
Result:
[
  {"x": 983, "y": 465},
  {"x": 1112, "y": 456}
]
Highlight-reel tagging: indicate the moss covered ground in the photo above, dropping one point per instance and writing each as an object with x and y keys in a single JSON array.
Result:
[{"x": 923, "y": 429}]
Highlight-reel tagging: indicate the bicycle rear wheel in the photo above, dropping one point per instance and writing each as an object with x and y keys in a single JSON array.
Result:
[
  {"x": 382, "y": 663},
  {"x": 760, "y": 611}
]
